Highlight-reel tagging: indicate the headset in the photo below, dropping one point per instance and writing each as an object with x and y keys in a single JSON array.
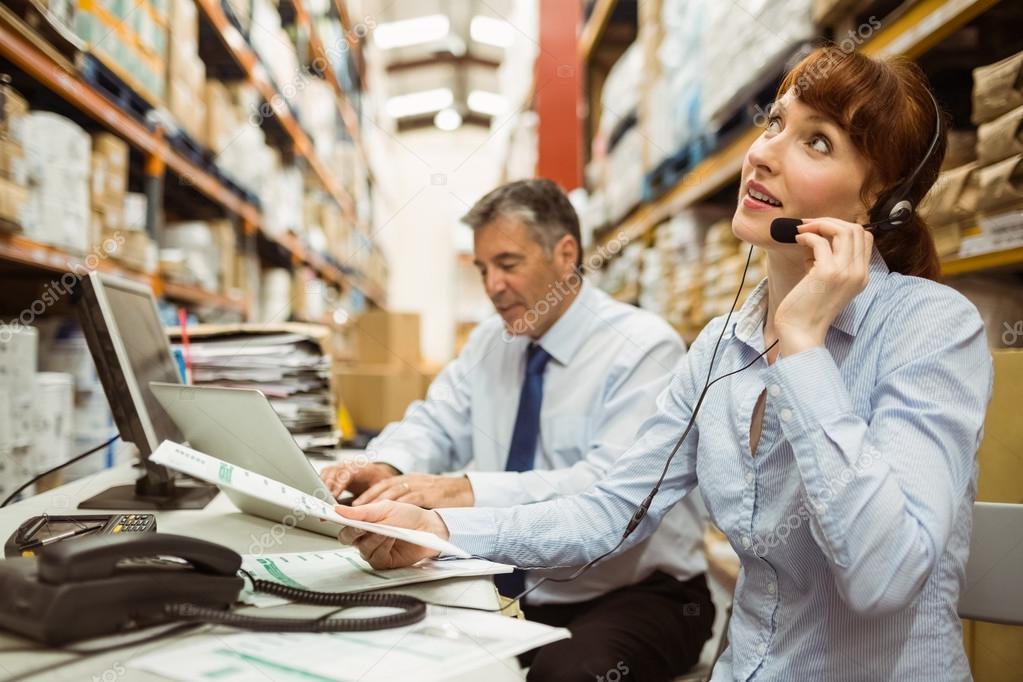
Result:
[{"x": 887, "y": 216}]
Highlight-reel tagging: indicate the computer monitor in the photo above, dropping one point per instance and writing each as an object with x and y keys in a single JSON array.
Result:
[{"x": 128, "y": 343}]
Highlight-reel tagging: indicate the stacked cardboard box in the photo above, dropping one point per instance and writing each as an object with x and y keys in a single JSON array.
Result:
[
  {"x": 13, "y": 169},
  {"x": 108, "y": 185},
  {"x": 186, "y": 73},
  {"x": 200, "y": 252},
  {"x": 132, "y": 246},
  {"x": 223, "y": 119},
  {"x": 385, "y": 378},
  {"x": 322, "y": 213}
]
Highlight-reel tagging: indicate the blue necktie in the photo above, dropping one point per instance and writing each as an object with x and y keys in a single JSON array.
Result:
[{"x": 523, "y": 443}]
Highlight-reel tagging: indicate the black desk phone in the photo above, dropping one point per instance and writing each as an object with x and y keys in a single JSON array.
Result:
[{"x": 108, "y": 584}]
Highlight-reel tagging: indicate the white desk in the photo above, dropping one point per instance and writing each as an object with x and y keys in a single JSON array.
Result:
[{"x": 220, "y": 522}]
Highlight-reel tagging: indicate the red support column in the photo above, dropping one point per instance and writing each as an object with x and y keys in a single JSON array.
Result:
[{"x": 559, "y": 94}]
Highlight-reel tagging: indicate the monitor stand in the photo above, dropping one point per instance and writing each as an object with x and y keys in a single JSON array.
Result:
[{"x": 132, "y": 497}]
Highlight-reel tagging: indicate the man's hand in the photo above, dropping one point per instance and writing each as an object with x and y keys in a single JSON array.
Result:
[
  {"x": 384, "y": 552},
  {"x": 424, "y": 490},
  {"x": 355, "y": 476}
]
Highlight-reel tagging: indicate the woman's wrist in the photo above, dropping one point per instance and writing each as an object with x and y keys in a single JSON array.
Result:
[{"x": 793, "y": 340}]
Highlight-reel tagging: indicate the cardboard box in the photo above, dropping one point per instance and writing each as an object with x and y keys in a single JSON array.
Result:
[
  {"x": 12, "y": 161},
  {"x": 134, "y": 250},
  {"x": 13, "y": 109},
  {"x": 185, "y": 102},
  {"x": 13, "y": 198},
  {"x": 1001, "y": 480},
  {"x": 109, "y": 179},
  {"x": 428, "y": 371},
  {"x": 387, "y": 338},
  {"x": 376, "y": 395},
  {"x": 221, "y": 119}
]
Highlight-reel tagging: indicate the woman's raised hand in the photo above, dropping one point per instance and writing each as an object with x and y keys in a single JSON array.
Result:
[{"x": 838, "y": 268}]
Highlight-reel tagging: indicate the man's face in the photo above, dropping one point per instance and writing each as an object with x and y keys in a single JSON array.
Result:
[{"x": 518, "y": 275}]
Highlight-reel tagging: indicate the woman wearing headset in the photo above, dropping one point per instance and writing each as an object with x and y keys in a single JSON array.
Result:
[{"x": 841, "y": 463}]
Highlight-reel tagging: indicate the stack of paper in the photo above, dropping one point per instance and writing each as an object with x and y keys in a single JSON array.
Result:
[
  {"x": 446, "y": 644},
  {"x": 285, "y": 362}
]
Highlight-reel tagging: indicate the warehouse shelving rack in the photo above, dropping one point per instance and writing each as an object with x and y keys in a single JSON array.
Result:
[
  {"x": 19, "y": 45},
  {"x": 912, "y": 34}
]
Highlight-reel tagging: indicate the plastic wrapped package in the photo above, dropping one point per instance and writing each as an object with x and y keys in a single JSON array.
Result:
[
  {"x": 745, "y": 44},
  {"x": 58, "y": 162},
  {"x": 625, "y": 176},
  {"x": 620, "y": 96}
]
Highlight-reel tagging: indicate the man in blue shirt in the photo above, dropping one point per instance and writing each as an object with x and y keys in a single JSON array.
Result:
[{"x": 542, "y": 400}]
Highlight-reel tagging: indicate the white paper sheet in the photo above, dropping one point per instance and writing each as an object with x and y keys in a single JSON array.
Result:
[
  {"x": 225, "y": 475},
  {"x": 344, "y": 570},
  {"x": 445, "y": 644}
]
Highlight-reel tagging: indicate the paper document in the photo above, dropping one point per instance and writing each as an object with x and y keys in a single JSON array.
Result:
[
  {"x": 344, "y": 570},
  {"x": 439, "y": 647},
  {"x": 225, "y": 475}
]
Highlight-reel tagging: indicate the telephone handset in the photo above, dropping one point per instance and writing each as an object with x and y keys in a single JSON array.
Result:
[
  {"x": 81, "y": 561},
  {"x": 109, "y": 584},
  {"x": 121, "y": 582}
]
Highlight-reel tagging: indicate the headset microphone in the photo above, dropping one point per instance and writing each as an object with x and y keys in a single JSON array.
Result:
[
  {"x": 784, "y": 230},
  {"x": 888, "y": 216}
]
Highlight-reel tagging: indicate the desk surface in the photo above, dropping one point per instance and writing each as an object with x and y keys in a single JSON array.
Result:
[{"x": 220, "y": 522}]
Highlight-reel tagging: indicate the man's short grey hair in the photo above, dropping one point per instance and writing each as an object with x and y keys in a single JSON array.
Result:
[{"x": 539, "y": 204}]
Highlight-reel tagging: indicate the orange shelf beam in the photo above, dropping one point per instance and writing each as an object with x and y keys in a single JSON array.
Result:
[
  {"x": 79, "y": 94},
  {"x": 18, "y": 249}
]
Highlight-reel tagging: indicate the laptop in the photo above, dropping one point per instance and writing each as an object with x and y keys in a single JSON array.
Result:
[{"x": 239, "y": 426}]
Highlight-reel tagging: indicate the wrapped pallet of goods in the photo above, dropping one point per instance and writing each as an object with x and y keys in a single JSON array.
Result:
[
  {"x": 129, "y": 39},
  {"x": 58, "y": 156}
]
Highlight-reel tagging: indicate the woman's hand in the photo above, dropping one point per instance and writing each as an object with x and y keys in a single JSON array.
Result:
[
  {"x": 384, "y": 552},
  {"x": 838, "y": 268}
]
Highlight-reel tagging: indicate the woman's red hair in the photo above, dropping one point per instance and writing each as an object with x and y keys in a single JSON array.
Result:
[{"x": 885, "y": 107}]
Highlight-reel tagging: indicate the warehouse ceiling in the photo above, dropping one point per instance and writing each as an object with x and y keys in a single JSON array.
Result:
[{"x": 440, "y": 58}]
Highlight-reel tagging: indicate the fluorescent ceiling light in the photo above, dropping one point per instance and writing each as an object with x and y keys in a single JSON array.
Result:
[
  {"x": 489, "y": 103},
  {"x": 447, "y": 119},
  {"x": 422, "y": 102},
  {"x": 406, "y": 32},
  {"x": 491, "y": 31}
]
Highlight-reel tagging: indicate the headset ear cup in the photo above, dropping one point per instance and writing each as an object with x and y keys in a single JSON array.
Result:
[{"x": 900, "y": 213}]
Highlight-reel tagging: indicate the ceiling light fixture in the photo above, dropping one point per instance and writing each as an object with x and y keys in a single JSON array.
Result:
[
  {"x": 425, "y": 29},
  {"x": 489, "y": 103},
  {"x": 491, "y": 31},
  {"x": 447, "y": 119},
  {"x": 415, "y": 103}
]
